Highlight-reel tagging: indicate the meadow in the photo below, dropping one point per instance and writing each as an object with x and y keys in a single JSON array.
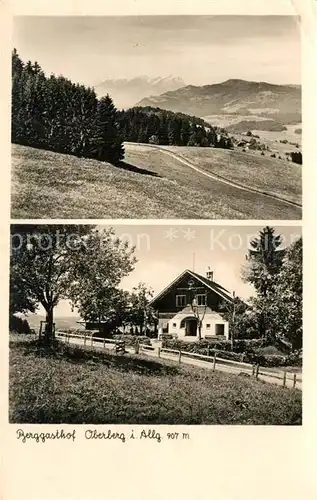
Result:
[
  {"x": 148, "y": 184},
  {"x": 67, "y": 384}
]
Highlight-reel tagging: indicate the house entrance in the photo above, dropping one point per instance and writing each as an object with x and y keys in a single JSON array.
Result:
[{"x": 191, "y": 327}]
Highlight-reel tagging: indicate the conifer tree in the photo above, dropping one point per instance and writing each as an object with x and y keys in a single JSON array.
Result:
[{"x": 106, "y": 142}]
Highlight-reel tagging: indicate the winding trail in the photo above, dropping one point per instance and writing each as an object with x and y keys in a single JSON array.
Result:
[{"x": 217, "y": 177}]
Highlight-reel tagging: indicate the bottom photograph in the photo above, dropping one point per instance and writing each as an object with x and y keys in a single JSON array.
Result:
[{"x": 155, "y": 324}]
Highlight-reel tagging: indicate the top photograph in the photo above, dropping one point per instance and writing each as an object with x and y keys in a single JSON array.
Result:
[{"x": 156, "y": 117}]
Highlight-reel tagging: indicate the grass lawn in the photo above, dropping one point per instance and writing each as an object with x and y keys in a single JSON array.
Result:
[
  {"x": 273, "y": 176},
  {"x": 67, "y": 384},
  {"x": 150, "y": 184}
]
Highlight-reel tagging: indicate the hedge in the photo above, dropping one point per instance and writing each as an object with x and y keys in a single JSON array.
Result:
[
  {"x": 243, "y": 351},
  {"x": 132, "y": 339}
]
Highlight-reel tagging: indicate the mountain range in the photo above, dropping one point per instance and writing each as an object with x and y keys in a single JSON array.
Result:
[
  {"x": 126, "y": 93},
  {"x": 234, "y": 101}
]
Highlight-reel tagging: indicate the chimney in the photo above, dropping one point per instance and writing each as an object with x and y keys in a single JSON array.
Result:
[{"x": 209, "y": 274}]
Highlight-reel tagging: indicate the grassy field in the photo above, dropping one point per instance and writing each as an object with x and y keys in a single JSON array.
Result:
[
  {"x": 267, "y": 174},
  {"x": 66, "y": 384},
  {"x": 150, "y": 184},
  {"x": 61, "y": 323}
]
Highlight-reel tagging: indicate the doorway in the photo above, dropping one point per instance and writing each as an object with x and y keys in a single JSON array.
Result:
[{"x": 191, "y": 327}]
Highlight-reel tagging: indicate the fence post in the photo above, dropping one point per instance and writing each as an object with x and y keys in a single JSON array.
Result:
[
  {"x": 284, "y": 379},
  {"x": 104, "y": 343},
  {"x": 214, "y": 363},
  {"x": 294, "y": 381},
  {"x": 137, "y": 347},
  {"x": 68, "y": 338},
  {"x": 159, "y": 352},
  {"x": 91, "y": 340},
  {"x": 257, "y": 371},
  {"x": 253, "y": 370},
  {"x": 179, "y": 356},
  {"x": 85, "y": 334}
]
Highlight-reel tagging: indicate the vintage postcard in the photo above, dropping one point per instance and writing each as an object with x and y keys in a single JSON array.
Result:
[{"x": 157, "y": 252}]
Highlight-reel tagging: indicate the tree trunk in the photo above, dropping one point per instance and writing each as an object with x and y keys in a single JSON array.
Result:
[
  {"x": 199, "y": 330},
  {"x": 48, "y": 336}
]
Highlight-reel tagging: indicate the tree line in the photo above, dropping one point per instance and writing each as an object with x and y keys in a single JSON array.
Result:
[
  {"x": 158, "y": 126},
  {"x": 55, "y": 114},
  {"x": 79, "y": 263},
  {"x": 274, "y": 313}
]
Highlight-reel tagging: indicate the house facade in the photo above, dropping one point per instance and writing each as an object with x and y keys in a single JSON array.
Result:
[{"x": 191, "y": 303}]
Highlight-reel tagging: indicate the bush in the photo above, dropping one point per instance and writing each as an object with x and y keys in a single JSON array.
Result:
[
  {"x": 242, "y": 345},
  {"x": 19, "y": 325},
  {"x": 272, "y": 360},
  {"x": 133, "y": 339},
  {"x": 297, "y": 157},
  {"x": 204, "y": 347},
  {"x": 244, "y": 350},
  {"x": 197, "y": 347}
]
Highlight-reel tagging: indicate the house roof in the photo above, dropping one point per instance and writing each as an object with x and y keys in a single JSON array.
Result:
[{"x": 212, "y": 285}]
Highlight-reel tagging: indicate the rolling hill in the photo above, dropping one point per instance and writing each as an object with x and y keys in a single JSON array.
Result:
[
  {"x": 62, "y": 323},
  {"x": 274, "y": 105},
  {"x": 154, "y": 182}
]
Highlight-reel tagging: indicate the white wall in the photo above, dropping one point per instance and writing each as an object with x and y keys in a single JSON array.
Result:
[{"x": 174, "y": 327}]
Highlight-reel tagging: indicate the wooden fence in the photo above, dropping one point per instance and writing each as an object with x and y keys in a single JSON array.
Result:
[
  {"x": 89, "y": 339},
  {"x": 254, "y": 370},
  {"x": 119, "y": 346}
]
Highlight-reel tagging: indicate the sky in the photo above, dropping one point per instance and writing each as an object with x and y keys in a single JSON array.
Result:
[
  {"x": 200, "y": 49},
  {"x": 165, "y": 251}
]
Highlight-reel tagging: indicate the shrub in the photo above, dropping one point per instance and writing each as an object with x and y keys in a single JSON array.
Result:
[
  {"x": 272, "y": 360},
  {"x": 297, "y": 157},
  {"x": 197, "y": 347},
  {"x": 19, "y": 325},
  {"x": 133, "y": 339},
  {"x": 206, "y": 348},
  {"x": 244, "y": 350}
]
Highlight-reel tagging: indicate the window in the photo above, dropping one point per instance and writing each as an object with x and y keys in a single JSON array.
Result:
[
  {"x": 220, "y": 329},
  {"x": 201, "y": 299},
  {"x": 174, "y": 325},
  {"x": 180, "y": 300},
  {"x": 208, "y": 326}
]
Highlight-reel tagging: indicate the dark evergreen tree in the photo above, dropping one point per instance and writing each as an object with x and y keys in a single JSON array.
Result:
[
  {"x": 54, "y": 113},
  {"x": 265, "y": 259},
  {"x": 106, "y": 143}
]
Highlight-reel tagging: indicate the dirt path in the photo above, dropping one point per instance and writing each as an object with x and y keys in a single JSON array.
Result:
[
  {"x": 264, "y": 374},
  {"x": 217, "y": 177}
]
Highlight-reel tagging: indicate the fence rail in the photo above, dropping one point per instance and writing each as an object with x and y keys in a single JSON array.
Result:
[
  {"x": 255, "y": 371},
  {"x": 119, "y": 345}
]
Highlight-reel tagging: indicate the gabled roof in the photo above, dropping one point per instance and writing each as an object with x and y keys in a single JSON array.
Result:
[{"x": 212, "y": 285}]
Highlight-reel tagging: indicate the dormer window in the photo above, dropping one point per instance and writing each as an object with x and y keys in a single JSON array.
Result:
[{"x": 180, "y": 300}]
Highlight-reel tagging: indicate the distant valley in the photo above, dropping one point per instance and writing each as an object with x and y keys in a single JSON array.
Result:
[{"x": 236, "y": 105}]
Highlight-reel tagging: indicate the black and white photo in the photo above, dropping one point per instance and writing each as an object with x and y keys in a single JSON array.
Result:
[
  {"x": 156, "y": 324},
  {"x": 137, "y": 117}
]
